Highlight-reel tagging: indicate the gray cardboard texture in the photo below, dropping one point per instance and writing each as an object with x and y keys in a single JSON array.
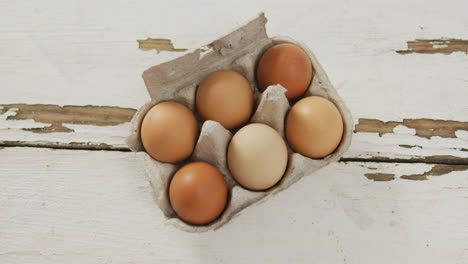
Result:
[{"x": 177, "y": 80}]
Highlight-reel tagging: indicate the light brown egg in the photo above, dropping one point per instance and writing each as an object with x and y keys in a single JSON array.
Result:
[
  {"x": 257, "y": 156},
  {"x": 169, "y": 132},
  {"x": 288, "y": 65},
  {"x": 314, "y": 127},
  {"x": 198, "y": 193},
  {"x": 226, "y": 97}
]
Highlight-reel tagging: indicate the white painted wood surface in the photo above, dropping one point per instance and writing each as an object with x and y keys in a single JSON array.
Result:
[
  {"x": 70, "y": 206},
  {"x": 75, "y": 206}
]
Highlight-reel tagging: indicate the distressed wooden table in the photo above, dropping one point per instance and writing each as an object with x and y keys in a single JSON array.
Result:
[{"x": 71, "y": 192}]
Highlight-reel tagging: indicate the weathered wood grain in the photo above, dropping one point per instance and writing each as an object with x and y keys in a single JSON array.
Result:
[
  {"x": 436, "y": 170},
  {"x": 424, "y": 127},
  {"x": 380, "y": 157},
  {"x": 62, "y": 206},
  {"x": 60, "y": 145}
]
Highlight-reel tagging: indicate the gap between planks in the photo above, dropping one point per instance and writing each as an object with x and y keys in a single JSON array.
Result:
[{"x": 447, "y": 160}]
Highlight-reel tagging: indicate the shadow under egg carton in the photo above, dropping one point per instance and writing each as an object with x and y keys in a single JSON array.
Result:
[{"x": 178, "y": 79}]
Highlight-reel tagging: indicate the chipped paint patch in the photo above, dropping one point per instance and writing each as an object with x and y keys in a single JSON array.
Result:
[
  {"x": 433, "y": 46},
  {"x": 443, "y": 159},
  {"x": 400, "y": 129},
  {"x": 426, "y": 128},
  {"x": 59, "y": 145},
  {"x": 380, "y": 176},
  {"x": 157, "y": 44},
  {"x": 56, "y": 116},
  {"x": 374, "y": 125},
  {"x": 436, "y": 170},
  {"x": 410, "y": 146},
  {"x": 367, "y": 167},
  {"x": 462, "y": 134}
]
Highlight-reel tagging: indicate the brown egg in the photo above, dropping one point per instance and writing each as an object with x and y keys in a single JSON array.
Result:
[
  {"x": 314, "y": 127},
  {"x": 288, "y": 65},
  {"x": 198, "y": 193},
  {"x": 226, "y": 97},
  {"x": 169, "y": 132}
]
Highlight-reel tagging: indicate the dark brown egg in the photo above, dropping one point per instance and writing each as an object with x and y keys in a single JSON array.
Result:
[
  {"x": 198, "y": 193},
  {"x": 288, "y": 65}
]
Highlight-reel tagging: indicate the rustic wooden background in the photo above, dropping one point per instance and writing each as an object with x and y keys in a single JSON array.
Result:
[{"x": 71, "y": 192}]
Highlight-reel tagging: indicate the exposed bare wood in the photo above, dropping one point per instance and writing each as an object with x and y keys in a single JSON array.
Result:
[
  {"x": 436, "y": 170},
  {"x": 442, "y": 159},
  {"x": 426, "y": 128},
  {"x": 374, "y": 125},
  {"x": 56, "y": 115},
  {"x": 157, "y": 44},
  {"x": 447, "y": 159},
  {"x": 58, "y": 145},
  {"x": 409, "y": 146},
  {"x": 380, "y": 176},
  {"x": 432, "y": 46}
]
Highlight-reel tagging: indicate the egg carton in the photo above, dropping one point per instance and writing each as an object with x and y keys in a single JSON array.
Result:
[{"x": 177, "y": 80}]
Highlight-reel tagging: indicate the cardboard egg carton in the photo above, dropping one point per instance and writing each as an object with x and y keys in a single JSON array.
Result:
[{"x": 177, "y": 80}]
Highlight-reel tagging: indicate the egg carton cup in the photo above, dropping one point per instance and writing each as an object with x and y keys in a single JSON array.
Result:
[{"x": 177, "y": 80}]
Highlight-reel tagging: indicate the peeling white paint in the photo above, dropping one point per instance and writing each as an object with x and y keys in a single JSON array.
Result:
[
  {"x": 461, "y": 134},
  {"x": 368, "y": 145},
  {"x": 439, "y": 46},
  {"x": 401, "y": 129},
  {"x": 18, "y": 124},
  {"x": 110, "y": 135}
]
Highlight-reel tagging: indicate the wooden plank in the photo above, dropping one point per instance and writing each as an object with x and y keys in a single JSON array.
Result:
[
  {"x": 54, "y": 54},
  {"x": 63, "y": 206},
  {"x": 105, "y": 128}
]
